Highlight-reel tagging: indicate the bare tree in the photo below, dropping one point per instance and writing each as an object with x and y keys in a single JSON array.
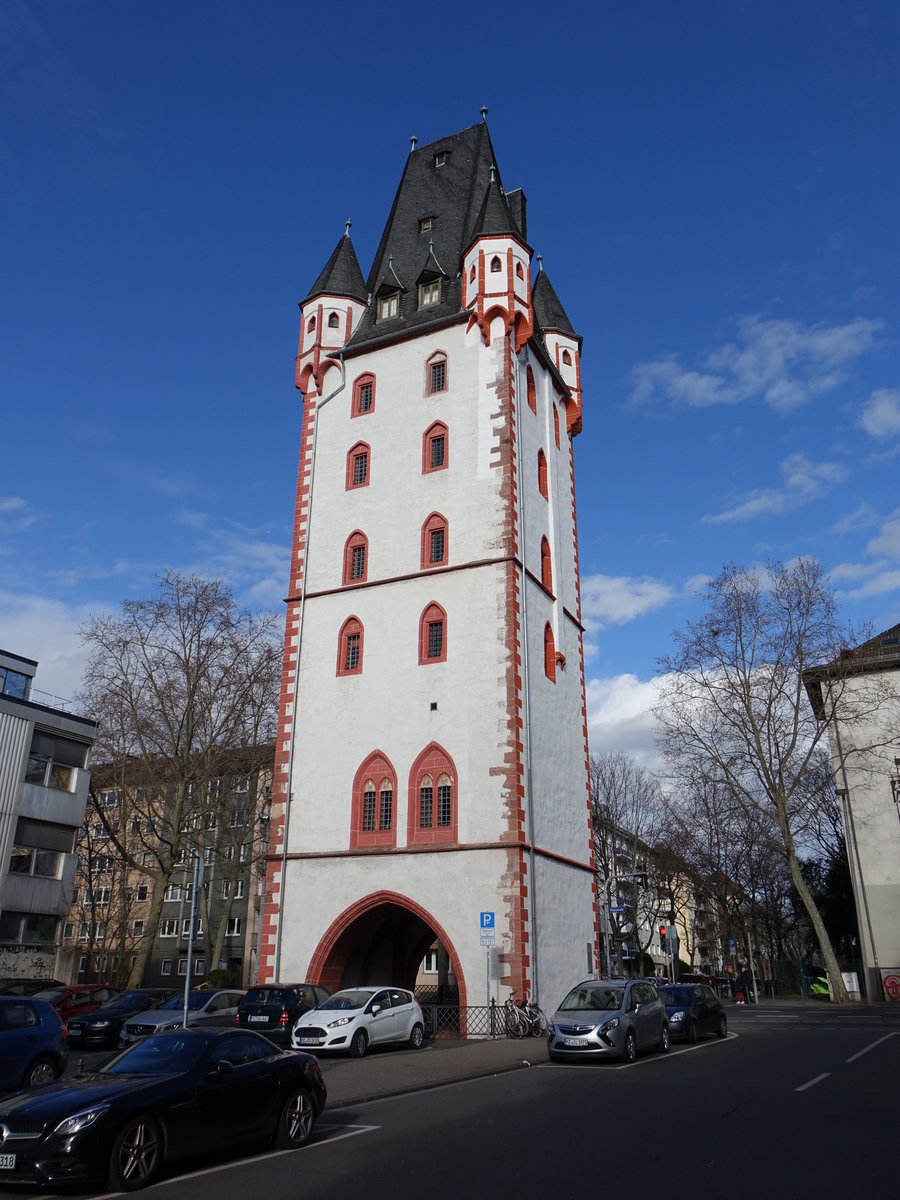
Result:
[
  {"x": 176, "y": 681},
  {"x": 734, "y": 706}
]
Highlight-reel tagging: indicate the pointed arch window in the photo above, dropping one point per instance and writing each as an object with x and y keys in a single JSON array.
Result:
[
  {"x": 531, "y": 391},
  {"x": 496, "y": 264},
  {"x": 435, "y": 448},
  {"x": 542, "y": 474},
  {"x": 549, "y": 654},
  {"x": 472, "y": 273},
  {"x": 436, "y": 374},
  {"x": 333, "y": 321},
  {"x": 311, "y": 325},
  {"x": 363, "y": 396},
  {"x": 435, "y": 542},
  {"x": 432, "y": 801},
  {"x": 556, "y": 424},
  {"x": 520, "y": 272},
  {"x": 546, "y": 565},
  {"x": 433, "y": 635},
  {"x": 350, "y": 647},
  {"x": 567, "y": 358},
  {"x": 356, "y": 558},
  {"x": 359, "y": 458},
  {"x": 372, "y": 821}
]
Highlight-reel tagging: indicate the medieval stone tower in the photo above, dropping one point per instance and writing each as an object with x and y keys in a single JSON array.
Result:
[{"x": 431, "y": 763}]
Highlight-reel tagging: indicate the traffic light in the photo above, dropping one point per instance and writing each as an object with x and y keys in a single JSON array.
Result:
[{"x": 662, "y": 938}]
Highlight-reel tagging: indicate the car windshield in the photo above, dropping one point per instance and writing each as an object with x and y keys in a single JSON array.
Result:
[
  {"x": 126, "y": 1000},
  {"x": 195, "y": 1000},
  {"x": 267, "y": 996},
  {"x": 346, "y": 1000},
  {"x": 593, "y": 998},
  {"x": 50, "y": 994},
  {"x": 676, "y": 995},
  {"x": 162, "y": 1054}
]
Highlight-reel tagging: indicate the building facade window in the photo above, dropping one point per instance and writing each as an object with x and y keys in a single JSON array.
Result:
[
  {"x": 435, "y": 542},
  {"x": 542, "y": 474},
  {"x": 435, "y": 448},
  {"x": 363, "y": 396},
  {"x": 234, "y": 926},
  {"x": 433, "y": 635},
  {"x": 432, "y": 805},
  {"x": 388, "y": 306},
  {"x": 356, "y": 557},
  {"x": 311, "y": 325},
  {"x": 567, "y": 358},
  {"x": 531, "y": 390},
  {"x": 546, "y": 565},
  {"x": 436, "y": 374},
  {"x": 429, "y": 293},
  {"x": 496, "y": 264},
  {"x": 556, "y": 424},
  {"x": 549, "y": 654},
  {"x": 333, "y": 321},
  {"x": 350, "y": 647},
  {"x": 372, "y": 806},
  {"x": 358, "y": 461}
]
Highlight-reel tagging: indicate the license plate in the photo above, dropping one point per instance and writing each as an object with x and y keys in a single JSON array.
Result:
[
  {"x": 309, "y": 1041},
  {"x": 7, "y": 1162},
  {"x": 252, "y": 1018},
  {"x": 575, "y": 1041}
]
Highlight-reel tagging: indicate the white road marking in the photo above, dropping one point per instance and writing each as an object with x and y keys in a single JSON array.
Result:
[
  {"x": 812, "y": 1082},
  {"x": 866, "y": 1049}
]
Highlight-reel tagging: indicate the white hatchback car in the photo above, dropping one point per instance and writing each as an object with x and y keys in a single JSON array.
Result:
[{"x": 355, "y": 1018}]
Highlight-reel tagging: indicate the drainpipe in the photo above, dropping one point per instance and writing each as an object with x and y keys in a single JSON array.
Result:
[
  {"x": 529, "y": 795},
  {"x": 288, "y": 792}
]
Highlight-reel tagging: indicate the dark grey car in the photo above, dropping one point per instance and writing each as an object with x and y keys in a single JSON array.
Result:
[{"x": 608, "y": 1018}]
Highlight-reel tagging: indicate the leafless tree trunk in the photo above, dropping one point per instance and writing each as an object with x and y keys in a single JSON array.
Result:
[{"x": 734, "y": 705}]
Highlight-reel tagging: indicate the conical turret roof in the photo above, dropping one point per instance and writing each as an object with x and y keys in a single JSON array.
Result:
[{"x": 341, "y": 275}]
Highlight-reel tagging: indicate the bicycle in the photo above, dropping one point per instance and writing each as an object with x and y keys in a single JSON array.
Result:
[{"x": 523, "y": 1019}]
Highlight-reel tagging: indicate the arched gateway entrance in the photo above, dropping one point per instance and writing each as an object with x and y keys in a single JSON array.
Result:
[{"x": 381, "y": 938}]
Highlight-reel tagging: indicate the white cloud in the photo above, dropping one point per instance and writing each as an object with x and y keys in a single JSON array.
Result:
[
  {"x": 616, "y": 600},
  {"x": 619, "y": 717},
  {"x": 804, "y": 481},
  {"x": 783, "y": 363},
  {"x": 47, "y": 630},
  {"x": 863, "y": 517},
  {"x": 888, "y": 540},
  {"x": 881, "y": 414}
]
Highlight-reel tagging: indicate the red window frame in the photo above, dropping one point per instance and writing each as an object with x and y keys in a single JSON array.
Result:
[
  {"x": 556, "y": 424},
  {"x": 359, "y": 384},
  {"x": 549, "y": 654},
  {"x": 432, "y": 361},
  {"x": 530, "y": 390},
  {"x": 378, "y": 770},
  {"x": 546, "y": 565},
  {"x": 542, "y": 474},
  {"x": 433, "y": 763},
  {"x": 434, "y": 523},
  {"x": 352, "y": 627},
  {"x": 356, "y": 540},
  {"x": 352, "y": 455},
  {"x": 432, "y": 614},
  {"x": 434, "y": 431}
]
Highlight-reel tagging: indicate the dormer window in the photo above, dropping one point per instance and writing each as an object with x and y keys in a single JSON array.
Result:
[
  {"x": 440, "y": 159},
  {"x": 388, "y": 306},
  {"x": 429, "y": 293},
  {"x": 425, "y": 224}
]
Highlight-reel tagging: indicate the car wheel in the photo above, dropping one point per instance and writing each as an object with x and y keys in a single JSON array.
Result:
[
  {"x": 722, "y": 1030},
  {"x": 630, "y": 1053},
  {"x": 359, "y": 1044},
  {"x": 692, "y": 1033},
  {"x": 44, "y": 1070},
  {"x": 136, "y": 1155},
  {"x": 295, "y": 1125},
  {"x": 417, "y": 1037},
  {"x": 663, "y": 1044}
]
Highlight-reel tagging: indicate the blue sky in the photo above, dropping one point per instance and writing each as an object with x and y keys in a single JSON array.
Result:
[{"x": 712, "y": 186}]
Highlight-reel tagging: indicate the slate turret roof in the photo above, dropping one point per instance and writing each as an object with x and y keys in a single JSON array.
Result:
[
  {"x": 548, "y": 310},
  {"x": 341, "y": 275}
]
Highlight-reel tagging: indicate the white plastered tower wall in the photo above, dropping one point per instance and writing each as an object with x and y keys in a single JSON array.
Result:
[{"x": 516, "y": 738}]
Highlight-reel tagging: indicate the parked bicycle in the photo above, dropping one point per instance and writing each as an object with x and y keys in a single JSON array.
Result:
[{"x": 523, "y": 1019}]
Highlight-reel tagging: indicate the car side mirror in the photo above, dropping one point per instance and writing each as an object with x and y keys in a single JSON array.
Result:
[
  {"x": 376, "y": 1008},
  {"x": 223, "y": 1067}
]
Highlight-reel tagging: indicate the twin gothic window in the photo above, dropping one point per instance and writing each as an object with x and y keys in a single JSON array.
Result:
[
  {"x": 431, "y": 800},
  {"x": 432, "y": 640}
]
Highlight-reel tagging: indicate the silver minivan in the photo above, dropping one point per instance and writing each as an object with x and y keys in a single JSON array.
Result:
[{"x": 609, "y": 1018}]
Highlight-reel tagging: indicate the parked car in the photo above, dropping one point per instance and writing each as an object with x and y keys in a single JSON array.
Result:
[
  {"x": 167, "y": 1097},
  {"x": 101, "y": 1028},
  {"x": 355, "y": 1018},
  {"x": 272, "y": 1008},
  {"x": 693, "y": 1010},
  {"x": 21, "y": 986},
  {"x": 33, "y": 1045},
  {"x": 204, "y": 1008},
  {"x": 77, "y": 999},
  {"x": 688, "y": 978},
  {"x": 608, "y": 1018}
]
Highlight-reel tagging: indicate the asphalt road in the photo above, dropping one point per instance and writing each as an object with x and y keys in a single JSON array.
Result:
[{"x": 794, "y": 1104}]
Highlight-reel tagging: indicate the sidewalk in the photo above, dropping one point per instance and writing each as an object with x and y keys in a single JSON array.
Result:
[{"x": 390, "y": 1072}]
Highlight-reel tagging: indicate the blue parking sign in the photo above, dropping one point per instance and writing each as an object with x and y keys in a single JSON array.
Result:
[{"x": 487, "y": 920}]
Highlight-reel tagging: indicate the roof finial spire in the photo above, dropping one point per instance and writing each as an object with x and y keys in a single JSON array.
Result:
[
  {"x": 412, "y": 143},
  {"x": 483, "y": 112},
  {"x": 540, "y": 259},
  {"x": 492, "y": 173},
  {"x": 347, "y": 225}
]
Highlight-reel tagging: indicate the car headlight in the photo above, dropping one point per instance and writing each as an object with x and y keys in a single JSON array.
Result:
[
  {"x": 677, "y": 1016},
  {"x": 81, "y": 1120},
  {"x": 339, "y": 1021},
  {"x": 613, "y": 1024}
]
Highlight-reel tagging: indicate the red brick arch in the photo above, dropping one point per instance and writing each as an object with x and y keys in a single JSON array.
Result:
[{"x": 327, "y": 963}]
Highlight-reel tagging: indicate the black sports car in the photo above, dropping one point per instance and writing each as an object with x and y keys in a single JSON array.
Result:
[{"x": 171, "y": 1096}]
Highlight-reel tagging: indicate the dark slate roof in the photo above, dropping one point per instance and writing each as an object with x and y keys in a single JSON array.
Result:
[
  {"x": 880, "y": 653},
  {"x": 548, "y": 310},
  {"x": 494, "y": 216},
  {"x": 452, "y": 195},
  {"x": 883, "y": 650},
  {"x": 341, "y": 275}
]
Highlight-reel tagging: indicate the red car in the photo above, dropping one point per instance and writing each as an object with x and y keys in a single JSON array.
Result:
[{"x": 78, "y": 998}]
